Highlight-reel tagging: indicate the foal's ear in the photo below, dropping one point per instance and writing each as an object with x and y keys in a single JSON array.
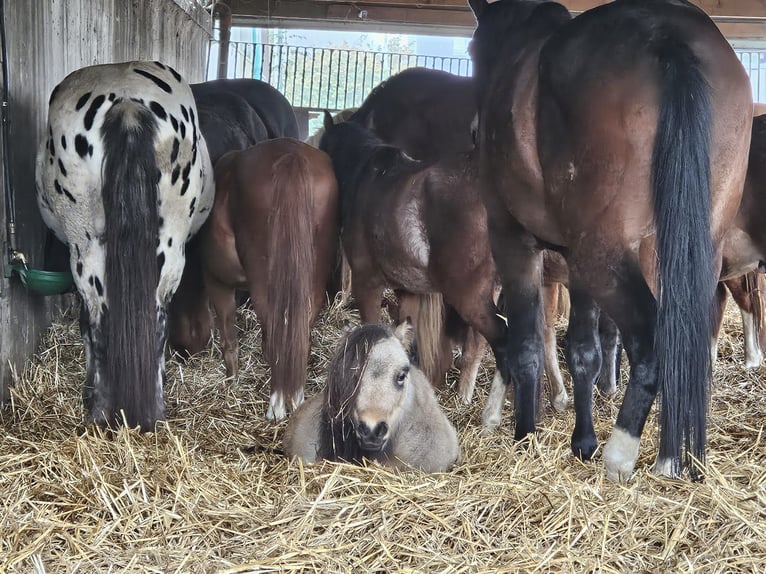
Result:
[
  {"x": 405, "y": 332},
  {"x": 328, "y": 123}
]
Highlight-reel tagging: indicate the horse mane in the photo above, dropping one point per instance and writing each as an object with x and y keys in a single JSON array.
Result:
[{"x": 337, "y": 439}]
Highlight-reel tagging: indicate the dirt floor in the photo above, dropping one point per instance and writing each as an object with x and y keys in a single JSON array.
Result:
[{"x": 208, "y": 494}]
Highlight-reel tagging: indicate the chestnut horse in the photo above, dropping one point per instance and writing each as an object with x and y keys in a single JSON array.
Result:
[
  {"x": 619, "y": 131},
  {"x": 233, "y": 115},
  {"x": 274, "y": 231}
]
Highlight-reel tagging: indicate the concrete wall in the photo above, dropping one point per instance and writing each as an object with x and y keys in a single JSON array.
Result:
[{"x": 47, "y": 39}]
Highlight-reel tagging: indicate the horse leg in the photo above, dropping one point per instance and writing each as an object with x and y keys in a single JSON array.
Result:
[
  {"x": 368, "y": 296},
  {"x": 558, "y": 394},
  {"x": 718, "y": 311},
  {"x": 519, "y": 264},
  {"x": 611, "y": 351},
  {"x": 470, "y": 360},
  {"x": 223, "y": 300},
  {"x": 584, "y": 359},
  {"x": 743, "y": 290},
  {"x": 632, "y": 307}
]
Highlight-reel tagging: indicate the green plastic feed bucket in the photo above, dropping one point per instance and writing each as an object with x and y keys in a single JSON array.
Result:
[{"x": 45, "y": 282}]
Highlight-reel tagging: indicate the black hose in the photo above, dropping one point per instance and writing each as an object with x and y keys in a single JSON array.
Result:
[{"x": 9, "y": 203}]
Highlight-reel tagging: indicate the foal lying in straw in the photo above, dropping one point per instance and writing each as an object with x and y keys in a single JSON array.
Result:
[{"x": 376, "y": 405}]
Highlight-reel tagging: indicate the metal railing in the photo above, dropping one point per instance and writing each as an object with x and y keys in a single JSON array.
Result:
[
  {"x": 335, "y": 78},
  {"x": 331, "y": 78}
]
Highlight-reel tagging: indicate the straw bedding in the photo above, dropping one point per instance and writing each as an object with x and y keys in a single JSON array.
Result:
[{"x": 209, "y": 494}]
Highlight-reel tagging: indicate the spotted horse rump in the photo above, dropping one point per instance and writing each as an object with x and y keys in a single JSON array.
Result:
[{"x": 124, "y": 179}]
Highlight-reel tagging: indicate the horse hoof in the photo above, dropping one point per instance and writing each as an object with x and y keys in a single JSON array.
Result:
[
  {"x": 560, "y": 402},
  {"x": 584, "y": 447},
  {"x": 277, "y": 410},
  {"x": 620, "y": 455}
]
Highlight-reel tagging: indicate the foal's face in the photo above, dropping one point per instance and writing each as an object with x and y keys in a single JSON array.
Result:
[{"x": 383, "y": 390}]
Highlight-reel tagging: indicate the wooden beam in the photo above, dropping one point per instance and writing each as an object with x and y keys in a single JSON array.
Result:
[
  {"x": 720, "y": 8},
  {"x": 745, "y": 19}
]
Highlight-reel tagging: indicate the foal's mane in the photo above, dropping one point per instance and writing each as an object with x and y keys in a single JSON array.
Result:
[{"x": 337, "y": 440}]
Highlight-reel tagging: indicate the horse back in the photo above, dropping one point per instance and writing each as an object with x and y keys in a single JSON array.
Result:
[
  {"x": 271, "y": 106},
  {"x": 601, "y": 91},
  {"x": 427, "y": 113}
]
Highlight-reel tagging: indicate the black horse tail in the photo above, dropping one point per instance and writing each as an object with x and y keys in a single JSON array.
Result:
[
  {"x": 687, "y": 275},
  {"x": 292, "y": 259},
  {"x": 129, "y": 192}
]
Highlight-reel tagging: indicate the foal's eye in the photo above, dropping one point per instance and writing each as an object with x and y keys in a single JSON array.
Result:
[{"x": 401, "y": 377}]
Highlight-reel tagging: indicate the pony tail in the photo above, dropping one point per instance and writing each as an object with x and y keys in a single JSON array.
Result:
[
  {"x": 429, "y": 329},
  {"x": 129, "y": 193},
  {"x": 288, "y": 333},
  {"x": 687, "y": 275}
]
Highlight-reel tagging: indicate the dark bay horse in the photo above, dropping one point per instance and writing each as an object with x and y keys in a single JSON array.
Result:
[
  {"x": 427, "y": 113},
  {"x": 233, "y": 115},
  {"x": 124, "y": 179},
  {"x": 274, "y": 231},
  {"x": 619, "y": 131},
  {"x": 413, "y": 227},
  {"x": 376, "y": 405}
]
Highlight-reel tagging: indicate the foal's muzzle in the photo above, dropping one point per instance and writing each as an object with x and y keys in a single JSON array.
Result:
[{"x": 372, "y": 439}]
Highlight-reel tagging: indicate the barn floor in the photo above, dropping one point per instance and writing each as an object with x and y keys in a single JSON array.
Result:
[{"x": 208, "y": 495}]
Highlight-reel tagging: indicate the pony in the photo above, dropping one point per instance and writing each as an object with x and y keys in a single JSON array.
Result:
[
  {"x": 375, "y": 405},
  {"x": 233, "y": 115},
  {"x": 274, "y": 231},
  {"x": 124, "y": 179},
  {"x": 603, "y": 137},
  {"x": 413, "y": 227}
]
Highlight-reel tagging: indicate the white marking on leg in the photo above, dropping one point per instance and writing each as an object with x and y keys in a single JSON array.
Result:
[
  {"x": 277, "y": 410},
  {"x": 713, "y": 352},
  {"x": 297, "y": 400},
  {"x": 753, "y": 353},
  {"x": 493, "y": 410},
  {"x": 620, "y": 455},
  {"x": 667, "y": 467}
]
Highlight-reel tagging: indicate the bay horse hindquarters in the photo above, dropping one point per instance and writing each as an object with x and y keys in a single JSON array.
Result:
[
  {"x": 375, "y": 405},
  {"x": 640, "y": 144},
  {"x": 120, "y": 185},
  {"x": 274, "y": 231}
]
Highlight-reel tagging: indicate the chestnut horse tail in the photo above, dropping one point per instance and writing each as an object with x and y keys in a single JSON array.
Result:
[
  {"x": 290, "y": 274},
  {"x": 129, "y": 193},
  {"x": 687, "y": 275},
  {"x": 429, "y": 327}
]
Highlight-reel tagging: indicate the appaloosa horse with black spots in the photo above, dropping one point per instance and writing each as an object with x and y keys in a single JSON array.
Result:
[
  {"x": 621, "y": 131},
  {"x": 124, "y": 179}
]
